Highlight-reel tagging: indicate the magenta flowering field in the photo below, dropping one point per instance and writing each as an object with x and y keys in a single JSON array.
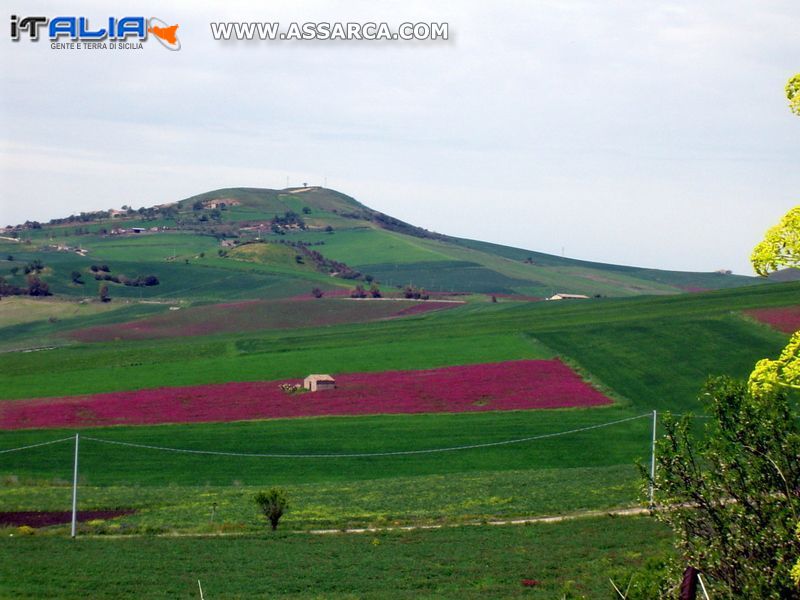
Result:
[
  {"x": 46, "y": 518},
  {"x": 512, "y": 385},
  {"x": 256, "y": 315},
  {"x": 786, "y": 318},
  {"x": 426, "y": 306}
]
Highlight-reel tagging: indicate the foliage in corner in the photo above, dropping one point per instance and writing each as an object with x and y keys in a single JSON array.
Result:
[
  {"x": 793, "y": 94},
  {"x": 733, "y": 491},
  {"x": 783, "y": 372},
  {"x": 780, "y": 246}
]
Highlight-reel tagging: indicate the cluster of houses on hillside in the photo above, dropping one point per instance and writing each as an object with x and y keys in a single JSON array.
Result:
[{"x": 220, "y": 203}]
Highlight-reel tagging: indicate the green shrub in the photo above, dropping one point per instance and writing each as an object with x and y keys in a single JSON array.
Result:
[{"x": 273, "y": 504}]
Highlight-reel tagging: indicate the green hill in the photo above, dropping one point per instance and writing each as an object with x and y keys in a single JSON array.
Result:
[{"x": 203, "y": 248}]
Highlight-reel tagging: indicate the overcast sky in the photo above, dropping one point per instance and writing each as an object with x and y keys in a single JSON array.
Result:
[{"x": 646, "y": 133}]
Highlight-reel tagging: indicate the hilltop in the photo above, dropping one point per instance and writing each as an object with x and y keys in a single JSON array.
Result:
[{"x": 239, "y": 243}]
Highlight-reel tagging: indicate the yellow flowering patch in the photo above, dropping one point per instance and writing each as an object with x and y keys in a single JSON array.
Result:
[
  {"x": 783, "y": 372},
  {"x": 780, "y": 246}
]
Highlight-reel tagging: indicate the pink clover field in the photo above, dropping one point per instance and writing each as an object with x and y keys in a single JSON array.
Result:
[{"x": 503, "y": 386}]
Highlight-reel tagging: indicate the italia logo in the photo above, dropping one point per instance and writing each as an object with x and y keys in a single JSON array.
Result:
[{"x": 112, "y": 30}]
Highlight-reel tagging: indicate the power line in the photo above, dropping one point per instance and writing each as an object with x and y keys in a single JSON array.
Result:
[
  {"x": 348, "y": 455},
  {"x": 368, "y": 454},
  {"x": 69, "y": 439}
]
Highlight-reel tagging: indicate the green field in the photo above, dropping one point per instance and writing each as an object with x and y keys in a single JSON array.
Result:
[
  {"x": 469, "y": 334},
  {"x": 443, "y": 498},
  {"x": 594, "y": 467},
  {"x": 24, "y": 309},
  {"x": 470, "y": 562},
  {"x": 106, "y": 465}
]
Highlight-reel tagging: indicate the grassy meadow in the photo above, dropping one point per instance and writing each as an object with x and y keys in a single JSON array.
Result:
[
  {"x": 573, "y": 557},
  {"x": 643, "y": 344},
  {"x": 586, "y": 470}
]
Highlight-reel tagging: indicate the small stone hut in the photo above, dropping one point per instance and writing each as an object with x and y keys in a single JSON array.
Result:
[{"x": 317, "y": 383}]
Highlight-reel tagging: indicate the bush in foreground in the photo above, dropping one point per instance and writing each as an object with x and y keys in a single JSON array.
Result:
[
  {"x": 732, "y": 493},
  {"x": 272, "y": 504}
]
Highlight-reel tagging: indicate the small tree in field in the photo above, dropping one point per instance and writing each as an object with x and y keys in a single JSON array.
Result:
[
  {"x": 272, "y": 504},
  {"x": 317, "y": 293},
  {"x": 358, "y": 292},
  {"x": 103, "y": 293},
  {"x": 37, "y": 287}
]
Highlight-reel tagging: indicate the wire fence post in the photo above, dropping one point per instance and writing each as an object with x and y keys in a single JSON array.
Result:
[
  {"x": 653, "y": 463},
  {"x": 703, "y": 587},
  {"x": 75, "y": 490}
]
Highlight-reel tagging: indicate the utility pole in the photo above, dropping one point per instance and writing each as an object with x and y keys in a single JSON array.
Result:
[
  {"x": 75, "y": 490},
  {"x": 653, "y": 463}
]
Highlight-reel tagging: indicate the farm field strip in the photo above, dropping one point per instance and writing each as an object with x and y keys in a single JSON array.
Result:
[
  {"x": 515, "y": 385},
  {"x": 453, "y": 499},
  {"x": 16, "y": 310},
  {"x": 660, "y": 369},
  {"x": 476, "y": 490},
  {"x": 110, "y": 367},
  {"x": 253, "y": 315},
  {"x": 449, "y": 563},
  {"x": 785, "y": 318},
  {"x": 459, "y": 336},
  {"x": 499, "y": 318},
  {"x": 103, "y": 464}
]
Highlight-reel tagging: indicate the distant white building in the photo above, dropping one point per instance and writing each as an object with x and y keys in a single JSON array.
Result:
[
  {"x": 568, "y": 297},
  {"x": 317, "y": 383},
  {"x": 221, "y": 203}
]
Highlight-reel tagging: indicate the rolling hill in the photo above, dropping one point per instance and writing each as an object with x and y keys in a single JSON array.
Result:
[{"x": 242, "y": 243}]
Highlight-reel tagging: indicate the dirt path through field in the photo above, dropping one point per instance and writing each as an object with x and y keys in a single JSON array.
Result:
[{"x": 622, "y": 512}]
